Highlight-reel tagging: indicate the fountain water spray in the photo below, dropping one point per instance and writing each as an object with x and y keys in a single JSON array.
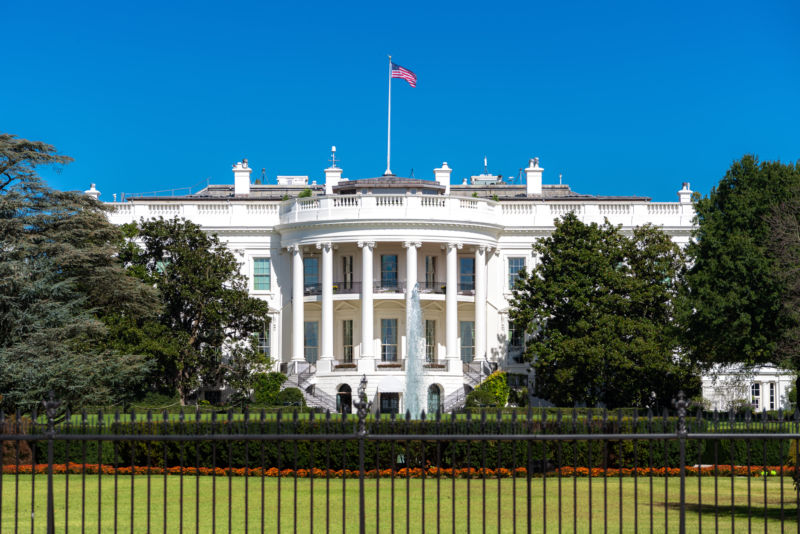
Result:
[{"x": 415, "y": 339}]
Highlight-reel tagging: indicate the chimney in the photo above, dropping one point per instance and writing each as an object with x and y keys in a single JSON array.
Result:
[
  {"x": 533, "y": 177},
  {"x": 442, "y": 176},
  {"x": 92, "y": 192},
  {"x": 685, "y": 194},
  {"x": 241, "y": 178},
  {"x": 333, "y": 174}
]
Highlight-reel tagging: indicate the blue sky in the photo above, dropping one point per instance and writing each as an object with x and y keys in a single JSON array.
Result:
[{"x": 622, "y": 98}]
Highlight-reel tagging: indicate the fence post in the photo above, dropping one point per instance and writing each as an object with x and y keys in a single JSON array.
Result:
[
  {"x": 50, "y": 407},
  {"x": 361, "y": 406},
  {"x": 681, "y": 405}
]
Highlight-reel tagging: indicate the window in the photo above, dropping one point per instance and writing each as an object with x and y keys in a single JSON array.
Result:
[
  {"x": 347, "y": 340},
  {"x": 261, "y": 274},
  {"x": 347, "y": 272},
  {"x": 263, "y": 340},
  {"x": 389, "y": 340},
  {"x": 466, "y": 280},
  {"x": 390, "y": 403},
  {"x": 515, "y": 342},
  {"x": 772, "y": 395},
  {"x": 467, "y": 341},
  {"x": 311, "y": 340},
  {"x": 434, "y": 399},
  {"x": 430, "y": 340},
  {"x": 755, "y": 395},
  {"x": 430, "y": 272},
  {"x": 389, "y": 271},
  {"x": 515, "y": 265},
  {"x": 310, "y": 273}
]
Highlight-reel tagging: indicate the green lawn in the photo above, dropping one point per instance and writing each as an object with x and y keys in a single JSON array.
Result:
[{"x": 473, "y": 504}]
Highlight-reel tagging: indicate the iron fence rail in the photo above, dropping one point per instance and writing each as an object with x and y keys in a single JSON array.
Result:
[{"x": 445, "y": 473}]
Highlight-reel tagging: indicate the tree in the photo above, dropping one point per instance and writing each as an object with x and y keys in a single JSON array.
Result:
[
  {"x": 599, "y": 308},
  {"x": 783, "y": 246},
  {"x": 59, "y": 278},
  {"x": 207, "y": 309},
  {"x": 736, "y": 289}
]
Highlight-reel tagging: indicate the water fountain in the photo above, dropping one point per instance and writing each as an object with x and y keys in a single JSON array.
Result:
[{"x": 415, "y": 338}]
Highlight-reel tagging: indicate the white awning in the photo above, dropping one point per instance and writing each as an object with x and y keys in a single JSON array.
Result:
[{"x": 391, "y": 384}]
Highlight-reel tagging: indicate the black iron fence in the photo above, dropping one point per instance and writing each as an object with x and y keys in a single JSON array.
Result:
[{"x": 536, "y": 470}]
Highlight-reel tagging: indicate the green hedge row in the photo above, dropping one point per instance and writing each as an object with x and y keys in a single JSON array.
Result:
[{"x": 339, "y": 454}]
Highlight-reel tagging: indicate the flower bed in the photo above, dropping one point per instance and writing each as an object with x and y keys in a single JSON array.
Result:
[{"x": 430, "y": 472}]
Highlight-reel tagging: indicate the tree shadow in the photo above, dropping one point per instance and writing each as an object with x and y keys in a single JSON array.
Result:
[{"x": 739, "y": 511}]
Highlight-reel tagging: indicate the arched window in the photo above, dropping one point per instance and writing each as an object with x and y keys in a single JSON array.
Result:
[
  {"x": 434, "y": 399},
  {"x": 344, "y": 399}
]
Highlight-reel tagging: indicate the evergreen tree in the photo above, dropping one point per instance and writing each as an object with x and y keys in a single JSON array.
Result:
[
  {"x": 58, "y": 278},
  {"x": 737, "y": 287},
  {"x": 599, "y": 308}
]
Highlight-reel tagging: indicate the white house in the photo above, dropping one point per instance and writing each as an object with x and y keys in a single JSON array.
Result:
[{"x": 337, "y": 268}]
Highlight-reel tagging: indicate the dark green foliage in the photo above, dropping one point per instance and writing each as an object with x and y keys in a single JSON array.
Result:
[
  {"x": 493, "y": 391},
  {"x": 736, "y": 288},
  {"x": 207, "y": 310},
  {"x": 459, "y": 454},
  {"x": 290, "y": 397},
  {"x": 266, "y": 387},
  {"x": 600, "y": 308},
  {"x": 59, "y": 282},
  {"x": 305, "y": 193}
]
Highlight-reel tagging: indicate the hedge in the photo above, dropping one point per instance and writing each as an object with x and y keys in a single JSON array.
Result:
[{"x": 343, "y": 454}]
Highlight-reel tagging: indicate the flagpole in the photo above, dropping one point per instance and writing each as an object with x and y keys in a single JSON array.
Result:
[{"x": 389, "y": 124}]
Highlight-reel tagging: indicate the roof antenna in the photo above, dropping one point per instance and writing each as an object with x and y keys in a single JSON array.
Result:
[
  {"x": 519, "y": 176},
  {"x": 263, "y": 175},
  {"x": 485, "y": 165},
  {"x": 412, "y": 172},
  {"x": 333, "y": 156},
  {"x": 559, "y": 178}
]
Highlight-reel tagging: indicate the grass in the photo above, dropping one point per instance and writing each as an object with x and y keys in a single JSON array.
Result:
[{"x": 235, "y": 504}]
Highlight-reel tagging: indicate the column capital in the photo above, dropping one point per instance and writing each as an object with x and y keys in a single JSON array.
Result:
[
  {"x": 458, "y": 246},
  {"x": 324, "y": 245},
  {"x": 370, "y": 244},
  {"x": 409, "y": 244},
  {"x": 293, "y": 248}
]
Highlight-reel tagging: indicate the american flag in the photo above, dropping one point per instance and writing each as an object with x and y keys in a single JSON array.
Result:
[{"x": 407, "y": 75}]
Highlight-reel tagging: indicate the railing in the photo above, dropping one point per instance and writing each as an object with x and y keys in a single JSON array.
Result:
[
  {"x": 346, "y": 287},
  {"x": 466, "y": 289},
  {"x": 529, "y": 470},
  {"x": 435, "y": 208},
  {"x": 387, "y": 286},
  {"x": 431, "y": 287}
]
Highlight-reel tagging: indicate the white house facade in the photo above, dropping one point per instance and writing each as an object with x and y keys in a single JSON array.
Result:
[{"x": 337, "y": 269}]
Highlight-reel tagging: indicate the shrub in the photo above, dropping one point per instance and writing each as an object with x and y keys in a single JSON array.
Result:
[
  {"x": 290, "y": 397},
  {"x": 267, "y": 386},
  {"x": 491, "y": 392},
  {"x": 305, "y": 193}
]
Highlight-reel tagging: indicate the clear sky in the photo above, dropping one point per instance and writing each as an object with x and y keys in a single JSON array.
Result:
[{"x": 622, "y": 98}]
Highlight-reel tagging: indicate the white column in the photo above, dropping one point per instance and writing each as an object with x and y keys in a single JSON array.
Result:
[
  {"x": 451, "y": 301},
  {"x": 367, "y": 339},
  {"x": 480, "y": 303},
  {"x": 411, "y": 266},
  {"x": 326, "y": 348},
  {"x": 297, "y": 303}
]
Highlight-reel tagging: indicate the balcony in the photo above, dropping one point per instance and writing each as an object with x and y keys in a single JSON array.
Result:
[{"x": 404, "y": 207}]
